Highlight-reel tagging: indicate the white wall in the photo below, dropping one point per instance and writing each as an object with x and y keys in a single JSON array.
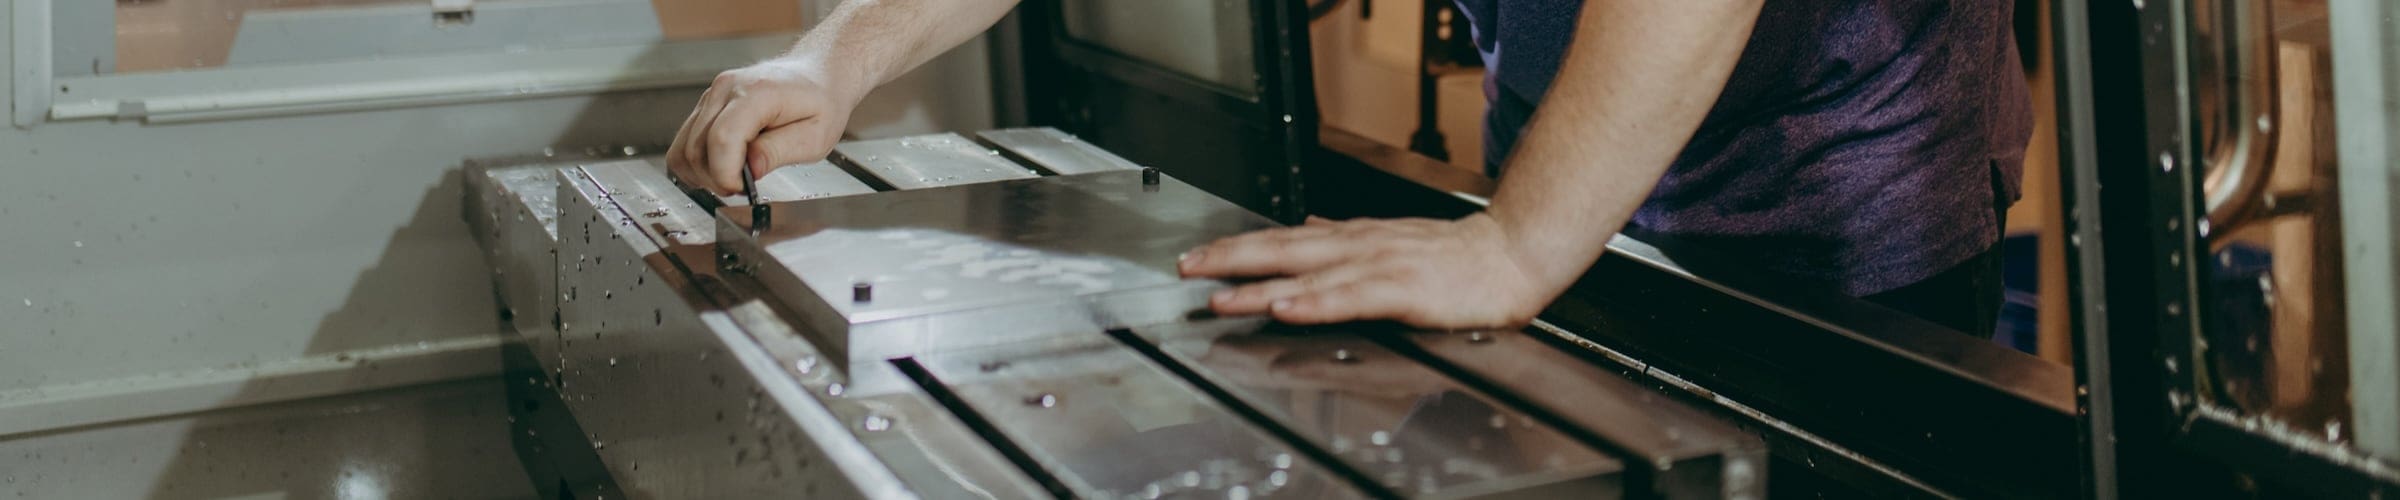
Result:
[{"x": 173, "y": 268}]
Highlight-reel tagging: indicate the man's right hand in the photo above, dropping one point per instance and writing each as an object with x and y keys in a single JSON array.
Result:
[{"x": 783, "y": 111}]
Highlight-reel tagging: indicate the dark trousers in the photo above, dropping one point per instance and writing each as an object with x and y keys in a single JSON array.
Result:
[{"x": 1967, "y": 296}]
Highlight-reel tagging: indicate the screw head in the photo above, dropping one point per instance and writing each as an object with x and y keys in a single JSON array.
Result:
[
  {"x": 1149, "y": 176},
  {"x": 862, "y": 292}
]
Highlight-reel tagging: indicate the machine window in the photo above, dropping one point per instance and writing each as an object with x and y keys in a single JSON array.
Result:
[{"x": 1205, "y": 39}]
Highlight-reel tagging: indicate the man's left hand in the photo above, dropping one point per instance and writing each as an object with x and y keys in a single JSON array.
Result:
[{"x": 1427, "y": 273}]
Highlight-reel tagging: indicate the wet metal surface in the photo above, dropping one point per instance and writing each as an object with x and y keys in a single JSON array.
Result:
[
  {"x": 985, "y": 264},
  {"x": 1409, "y": 427},
  {"x": 1111, "y": 425},
  {"x": 1024, "y": 336},
  {"x": 1054, "y": 151},
  {"x": 1674, "y": 439},
  {"x": 928, "y": 161}
]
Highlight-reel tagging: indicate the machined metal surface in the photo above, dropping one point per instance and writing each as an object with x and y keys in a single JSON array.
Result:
[
  {"x": 928, "y": 161},
  {"x": 1693, "y": 455},
  {"x": 987, "y": 264},
  {"x": 1054, "y": 151},
  {"x": 1407, "y": 426},
  {"x": 1111, "y": 425},
  {"x": 689, "y": 390},
  {"x": 1023, "y": 338}
]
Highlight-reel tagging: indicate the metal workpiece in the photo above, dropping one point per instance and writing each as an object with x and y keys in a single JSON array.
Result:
[
  {"x": 512, "y": 209},
  {"x": 1026, "y": 338},
  {"x": 802, "y": 181},
  {"x": 1104, "y": 422},
  {"x": 1053, "y": 151},
  {"x": 985, "y": 264},
  {"x": 1401, "y": 423},
  {"x": 684, "y": 396},
  {"x": 1690, "y": 454},
  {"x": 926, "y": 161}
]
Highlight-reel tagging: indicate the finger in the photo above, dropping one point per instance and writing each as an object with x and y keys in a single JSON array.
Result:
[
  {"x": 677, "y": 154},
  {"x": 1358, "y": 300},
  {"x": 1257, "y": 298},
  {"x": 1270, "y": 252},
  {"x": 693, "y": 139},
  {"x": 806, "y": 141},
  {"x": 1315, "y": 220},
  {"x": 729, "y": 139}
]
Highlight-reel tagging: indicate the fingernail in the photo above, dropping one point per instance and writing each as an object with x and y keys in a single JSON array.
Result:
[
  {"x": 1280, "y": 305},
  {"x": 1222, "y": 296}
]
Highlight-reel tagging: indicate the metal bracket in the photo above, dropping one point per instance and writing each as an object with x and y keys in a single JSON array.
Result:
[{"x": 450, "y": 12}]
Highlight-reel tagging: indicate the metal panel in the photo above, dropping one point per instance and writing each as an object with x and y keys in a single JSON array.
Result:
[
  {"x": 1400, "y": 422},
  {"x": 513, "y": 212},
  {"x": 651, "y": 378},
  {"x": 985, "y": 264},
  {"x": 2367, "y": 117},
  {"x": 1054, "y": 151},
  {"x": 1111, "y": 425},
  {"x": 1692, "y": 455},
  {"x": 352, "y": 32},
  {"x": 657, "y": 369},
  {"x": 927, "y": 161},
  {"x": 444, "y": 440},
  {"x": 88, "y": 44},
  {"x": 31, "y": 73}
]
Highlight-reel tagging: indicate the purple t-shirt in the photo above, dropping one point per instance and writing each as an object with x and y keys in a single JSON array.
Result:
[{"x": 1860, "y": 144}]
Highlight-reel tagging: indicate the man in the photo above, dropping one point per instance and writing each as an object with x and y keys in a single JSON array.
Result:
[{"x": 1865, "y": 147}]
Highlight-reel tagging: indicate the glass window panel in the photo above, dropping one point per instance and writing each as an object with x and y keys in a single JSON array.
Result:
[{"x": 1205, "y": 39}]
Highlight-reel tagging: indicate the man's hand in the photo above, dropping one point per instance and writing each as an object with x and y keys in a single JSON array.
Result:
[
  {"x": 791, "y": 109},
  {"x": 1427, "y": 273},
  {"x": 780, "y": 112}
]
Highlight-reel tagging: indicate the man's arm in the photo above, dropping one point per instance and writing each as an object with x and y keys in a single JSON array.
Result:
[
  {"x": 1637, "y": 80},
  {"x": 793, "y": 108}
]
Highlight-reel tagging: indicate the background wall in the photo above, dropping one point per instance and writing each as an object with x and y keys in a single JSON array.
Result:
[{"x": 156, "y": 269}]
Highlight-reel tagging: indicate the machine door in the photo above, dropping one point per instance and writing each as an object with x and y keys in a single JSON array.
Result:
[
  {"x": 1213, "y": 92},
  {"x": 2244, "y": 243}
]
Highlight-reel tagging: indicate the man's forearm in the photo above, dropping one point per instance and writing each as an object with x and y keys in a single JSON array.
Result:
[
  {"x": 1637, "y": 80},
  {"x": 866, "y": 43}
]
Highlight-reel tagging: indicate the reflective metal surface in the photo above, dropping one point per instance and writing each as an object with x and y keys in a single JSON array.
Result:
[
  {"x": 1695, "y": 456},
  {"x": 684, "y": 397},
  {"x": 988, "y": 341},
  {"x": 988, "y": 263},
  {"x": 927, "y": 161},
  {"x": 1111, "y": 425},
  {"x": 445, "y": 440},
  {"x": 1400, "y": 422},
  {"x": 513, "y": 209},
  {"x": 1054, "y": 151}
]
